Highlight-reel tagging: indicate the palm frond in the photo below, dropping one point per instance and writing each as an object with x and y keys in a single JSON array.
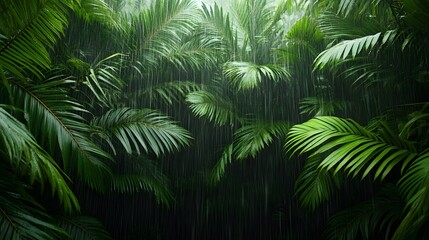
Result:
[
  {"x": 21, "y": 217},
  {"x": 96, "y": 10},
  {"x": 413, "y": 186},
  {"x": 161, "y": 27},
  {"x": 251, "y": 138},
  {"x": 248, "y": 141},
  {"x": 101, "y": 77},
  {"x": 321, "y": 107},
  {"x": 304, "y": 35},
  {"x": 343, "y": 49},
  {"x": 53, "y": 117},
  {"x": 217, "y": 25},
  {"x": 215, "y": 107},
  {"x": 142, "y": 175},
  {"x": 142, "y": 128},
  {"x": 315, "y": 185},
  {"x": 84, "y": 227},
  {"x": 246, "y": 75},
  {"x": 417, "y": 126},
  {"x": 29, "y": 159},
  {"x": 169, "y": 92},
  {"x": 219, "y": 169},
  {"x": 351, "y": 147},
  {"x": 335, "y": 26},
  {"x": 28, "y": 30},
  {"x": 196, "y": 53},
  {"x": 417, "y": 14},
  {"x": 364, "y": 219}
]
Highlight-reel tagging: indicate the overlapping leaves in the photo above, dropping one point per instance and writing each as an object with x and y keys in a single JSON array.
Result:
[
  {"x": 54, "y": 119},
  {"x": 145, "y": 129}
]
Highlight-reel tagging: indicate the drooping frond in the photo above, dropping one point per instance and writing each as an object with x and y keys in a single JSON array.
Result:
[
  {"x": 248, "y": 141},
  {"x": 194, "y": 53},
  {"x": 96, "y": 10},
  {"x": 414, "y": 186},
  {"x": 219, "y": 169},
  {"x": 27, "y": 30},
  {"x": 417, "y": 126},
  {"x": 321, "y": 107},
  {"x": 338, "y": 27},
  {"x": 29, "y": 159},
  {"x": 216, "y": 108},
  {"x": 21, "y": 217},
  {"x": 83, "y": 227},
  {"x": 251, "y": 138},
  {"x": 161, "y": 27},
  {"x": 417, "y": 15},
  {"x": 218, "y": 26},
  {"x": 101, "y": 78},
  {"x": 142, "y": 175},
  {"x": 246, "y": 75},
  {"x": 343, "y": 50},
  {"x": 350, "y": 147},
  {"x": 53, "y": 117},
  {"x": 169, "y": 92},
  {"x": 364, "y": 219},
  {"x": 315, "y": 185},
  {"x": 303, "y": 35},
  {"x": 142, "y": 128}
]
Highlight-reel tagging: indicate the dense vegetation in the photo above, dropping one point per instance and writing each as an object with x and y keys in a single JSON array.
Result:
[{"x": 170, "y": 120}]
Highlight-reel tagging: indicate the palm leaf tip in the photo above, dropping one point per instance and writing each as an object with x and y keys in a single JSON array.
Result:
[
  {"x": 31, "y": 160},
  {"x": 143, "y": 128},
  {"x": 34, "y": 26},
  {"x": 246, "y": 75},
  {"x": 217, "y": 108},
  {"x": 349, "y": 147}
]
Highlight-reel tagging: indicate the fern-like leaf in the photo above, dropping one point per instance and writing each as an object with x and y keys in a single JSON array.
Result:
[
  {"x": 246, "y": 75},
  {"x": 28, "y": 30},
  {"x": 84, "y": 227},
  {"x": 351, "y": 147},
  {"x": 364, "y": 219},
  {"x": 142, "y": 128},
  {"x": 315, "y": 185},
  {"x": 29, "y": 159},
  {"x": 53, "y": 117},
  {"x": 216, "y": 108}
]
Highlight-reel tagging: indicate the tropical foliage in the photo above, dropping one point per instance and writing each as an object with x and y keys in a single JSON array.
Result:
[{"x": 97, "y": 95}]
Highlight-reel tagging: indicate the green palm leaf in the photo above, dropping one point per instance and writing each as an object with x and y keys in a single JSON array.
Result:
[
  {"x": 96, "y": 10},
  {"x": 169, "y": 92},
  {"x": 315, "y": 185},
  {"x": 321, "y": 106},
  {"x": 142, "y": 128},
  {"x": 28, "y": 28},
  {"x": 140, "y": 174},
  {"x": 246, "y": 75},
  {"x": 345, "y": 48},
  {"x": 217, "y": 25},
  {"x": 84, "y": 227},
  {"x": 351, "y": 148},
  {"x": 101, "y": 77},
  {"x": 219, "y": 169},
  {"x": 249, "y": 140},
  {"x": 29, "y": 159},
  {"x": 160, "y": 28},
  {"x": 364, "y": 219},
  {"x": 215, "y": 107},
  {"x": 53, "y": 117},
  {"x": 21, "y": 217},
  {"x": 414, "y": 186}
]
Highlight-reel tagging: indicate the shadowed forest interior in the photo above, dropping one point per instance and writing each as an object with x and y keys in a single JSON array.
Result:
[{"x": 233, "y": 119}]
